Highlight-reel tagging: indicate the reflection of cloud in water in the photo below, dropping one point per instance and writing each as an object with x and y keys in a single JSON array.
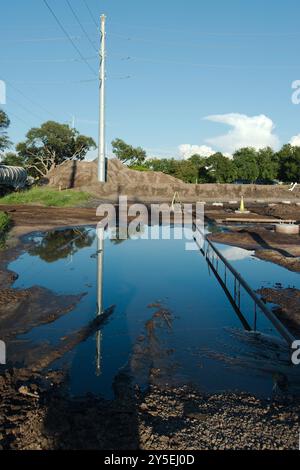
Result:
[{"x": 236, "y": 254}]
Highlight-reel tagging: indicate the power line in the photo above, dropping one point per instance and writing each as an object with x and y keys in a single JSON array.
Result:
[
  {"x": 216, "y": 66},
  {"x": 214, "y": 33},
  {"x": 17, "y": 117},
  {"x": 69, "y": 37},
  {"x": 91, "y": 14},
  {"x": 35, "y": 103},
  {"x": 40, "y": 39},
  {"x": 71, "y": 82},
  {"x": 25, "y": 108},
  {"x": 57, "y": 82},
  {"x": 49, "y": 60},
  {"x": 175, "y": 44},
  {"x": 81, "y": 26}
]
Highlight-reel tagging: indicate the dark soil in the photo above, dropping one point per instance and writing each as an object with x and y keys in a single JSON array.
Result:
[
  {"x": 282, "y": 211},
  {"x": 36, "y": 413},
  {"x": 268, "y": 245},
  {"x": 288, "y": 306},
  {"x": 32, "y": 218}
]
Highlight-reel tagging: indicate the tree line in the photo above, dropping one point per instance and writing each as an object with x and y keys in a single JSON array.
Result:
[
  {"x": 246, "y": 165},
  {"x": 52, "y": 143}
]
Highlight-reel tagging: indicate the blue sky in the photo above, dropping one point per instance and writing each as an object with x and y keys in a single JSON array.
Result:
[{"x": 186, "y": 60}]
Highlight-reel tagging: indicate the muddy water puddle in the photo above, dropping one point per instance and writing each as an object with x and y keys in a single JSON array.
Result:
[{"x": 171, "y": 322}]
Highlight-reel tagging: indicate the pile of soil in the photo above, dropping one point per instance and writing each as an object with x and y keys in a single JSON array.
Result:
[
  {"x": 150, "y": 186},
  {"x": 120, "y": 180}
]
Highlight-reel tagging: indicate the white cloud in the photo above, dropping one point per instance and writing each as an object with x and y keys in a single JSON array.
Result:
[
  {"x": 187, "y": 150},
  {"x": 295, "y": 141},
  {"x": 237, "y": 254},
  {"x": 253, "y": 131}
]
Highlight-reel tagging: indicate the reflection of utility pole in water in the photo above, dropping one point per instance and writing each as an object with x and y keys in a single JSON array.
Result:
[{"x": 100, "y": 256}]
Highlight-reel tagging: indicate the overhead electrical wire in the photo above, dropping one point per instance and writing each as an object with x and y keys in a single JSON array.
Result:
[
  {"x": 213, "y": 33},
  {"x": 69, "y": 37},
  {"x": 174, "y": 44},
  {"x": 81, "y": 26},
  {"x": 17, "y": 117},
  {"x": 90, "y": 12},
  {"x": 25, "y": 108},
  {"x": 57, "y": 82},
  {"x": 49, "y": 60},
  {"x": 35, "y": 103},
  {"x": 70, "y": 82},
  {"x": 215, "y": 66},
  {"x": 53, "y": 39}
]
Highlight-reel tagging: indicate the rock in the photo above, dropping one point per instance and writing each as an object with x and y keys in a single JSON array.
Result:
[{"x": 25, "y": 391}]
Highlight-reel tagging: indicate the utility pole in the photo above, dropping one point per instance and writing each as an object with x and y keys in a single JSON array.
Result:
[
  {"x": 101, "y": 179},
  {"x": 101, "y": 144}
]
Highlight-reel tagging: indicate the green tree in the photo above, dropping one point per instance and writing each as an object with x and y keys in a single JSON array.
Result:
[
  {"x": 12, "y": 159},
  {"x": 186, "y": 171},
  {"x": 165, "y": 165},
  {"x": 199, "y": 164},
  {"x": 197, "y": 160},
  {"x": 4, "y": 124},
  {"x": 50, "y": 145},
  {"x": 219, "y": 169},
  {"x": 245, "y": 161},
  {"x": 127, "y": 153},
  {"x": 268, "y": 164},
  {"x": 289, "y": 163}
]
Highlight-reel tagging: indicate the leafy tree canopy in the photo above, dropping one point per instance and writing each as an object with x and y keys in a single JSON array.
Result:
[
  {"x": 289, "y": 163},
  {"x": 4, "y": 124},
  {"x": 165, "y": 165},
  {"x": 50, "y": 145},
  {"x": 245, "y": 161},
  {"x": 127, "y": 153},
  {"x": 268, "y": 164},
  {"x": 219, "y": 169},
  {"x": 12, "y": 159}
]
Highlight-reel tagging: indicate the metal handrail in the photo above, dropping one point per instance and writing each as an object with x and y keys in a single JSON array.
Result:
[{"x": 270, "y": 315}]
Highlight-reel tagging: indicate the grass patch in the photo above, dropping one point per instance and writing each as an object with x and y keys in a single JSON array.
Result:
[
  {"x": 47, "y": 197},
  {"x": 5, "y": 223}
]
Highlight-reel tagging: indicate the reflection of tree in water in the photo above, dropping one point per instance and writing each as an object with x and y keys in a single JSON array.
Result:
[
  {"x": 121, "y": 234},
  {"x": 60, "y": 244}
]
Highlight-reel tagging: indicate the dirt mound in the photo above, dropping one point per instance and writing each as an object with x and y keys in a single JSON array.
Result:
[
  {"x": 146, "y": 186},
  {"x": 120, "y": 179}
]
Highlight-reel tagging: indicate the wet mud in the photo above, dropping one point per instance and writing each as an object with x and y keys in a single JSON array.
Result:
[
  {"x": 287, "y": 306},
  {"x": 37, "y": 411}
]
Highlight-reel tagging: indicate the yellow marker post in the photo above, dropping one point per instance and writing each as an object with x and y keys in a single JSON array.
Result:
[{"x": 242, "y": 206}]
